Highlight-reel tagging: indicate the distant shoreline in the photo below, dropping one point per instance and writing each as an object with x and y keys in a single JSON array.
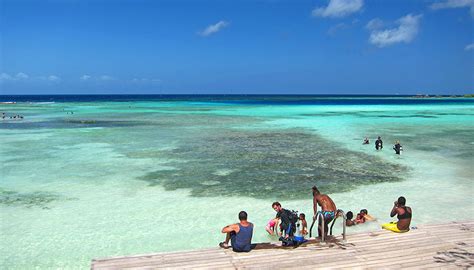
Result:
[
  {"x": 243, "y": 99},
  {"x": 254, "y": 95}
]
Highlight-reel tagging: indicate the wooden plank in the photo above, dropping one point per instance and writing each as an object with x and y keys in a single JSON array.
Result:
[{"x": 380, "y": 249}]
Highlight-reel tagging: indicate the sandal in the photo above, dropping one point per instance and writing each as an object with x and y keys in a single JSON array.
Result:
[{"x": 223, "y": 245}]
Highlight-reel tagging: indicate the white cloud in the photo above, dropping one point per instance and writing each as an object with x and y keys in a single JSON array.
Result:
[
  {"x": 5, "y": 77},
  {"x": 213, "y": 28},
  {"x": 374, "y": 24},
  {"x": 338, "y": 8},
  {"x": 469, "y": 47},
  {"x": 85, "y": 77},
  {"x": 53, "y": 78},
  {"x": 145, "y": 80},
  {"x": 106, "y": 78},
  {"x": 454, "y": 4},
  {"x": 21, "y": 76},
  {"x": 405, "y": 32}
]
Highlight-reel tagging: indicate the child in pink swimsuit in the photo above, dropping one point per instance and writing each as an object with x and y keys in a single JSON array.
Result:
[{"x": 270, "y": 228}]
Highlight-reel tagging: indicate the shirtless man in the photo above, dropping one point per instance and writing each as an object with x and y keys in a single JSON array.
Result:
[{"x": 328, "y": 209}]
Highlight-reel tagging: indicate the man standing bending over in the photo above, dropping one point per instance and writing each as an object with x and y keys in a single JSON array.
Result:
[
  {"x": 239, "y": 234},
  {"x": 328, "y": 209}
]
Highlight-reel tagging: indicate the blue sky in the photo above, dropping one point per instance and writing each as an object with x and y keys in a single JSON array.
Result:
[{"x": 237, "y": 47}]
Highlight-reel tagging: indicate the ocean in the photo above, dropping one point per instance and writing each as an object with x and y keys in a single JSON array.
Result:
[{"x": 84, "y": 177}]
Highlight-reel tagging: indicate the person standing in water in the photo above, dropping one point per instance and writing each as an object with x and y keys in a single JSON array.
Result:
[
  {"x": 398, "y": 148},
  {"x": 378, "y": 144},
  {"x": 328, "y": 209}
]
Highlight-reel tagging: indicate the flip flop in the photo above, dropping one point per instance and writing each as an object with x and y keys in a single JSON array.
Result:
[{"x": 223, "y": 245}]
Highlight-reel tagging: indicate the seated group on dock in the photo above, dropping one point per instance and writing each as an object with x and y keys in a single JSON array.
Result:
[{"x": 292, "y": 228}]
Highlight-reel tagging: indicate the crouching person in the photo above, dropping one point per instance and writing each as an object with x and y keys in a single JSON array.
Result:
[{"x": 240, "y": 234}]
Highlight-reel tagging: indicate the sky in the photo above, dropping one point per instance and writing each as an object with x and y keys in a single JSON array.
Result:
[{"x": 237, "y": 47}]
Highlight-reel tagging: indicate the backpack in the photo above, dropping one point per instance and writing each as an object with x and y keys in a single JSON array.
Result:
[{"x": 288, "y": 221}]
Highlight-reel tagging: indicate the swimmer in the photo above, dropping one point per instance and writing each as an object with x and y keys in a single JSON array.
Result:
[
  {"x": 366, "y": 141},
  {"x": 366, "y": 215},
  {"x": 349, "y": 221}
]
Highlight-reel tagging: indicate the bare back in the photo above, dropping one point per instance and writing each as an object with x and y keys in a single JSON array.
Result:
[
  {"x": 325, "y": 202},
  {"x": 404, "y": 223}
]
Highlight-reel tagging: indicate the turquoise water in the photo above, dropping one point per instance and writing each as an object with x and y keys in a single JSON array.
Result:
[{"x": 122, "y": 178}]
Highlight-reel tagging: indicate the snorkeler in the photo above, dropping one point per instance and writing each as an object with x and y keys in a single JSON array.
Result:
[
  {"x": 398, "y": 148},
  {"x": 378, "y": 143},
  {"x": 328, "y": 209}
]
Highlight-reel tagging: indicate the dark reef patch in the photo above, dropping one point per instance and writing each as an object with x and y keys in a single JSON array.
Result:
[
  {"x": 266, "y": 164},
  {"x": 32, "y": 199}
]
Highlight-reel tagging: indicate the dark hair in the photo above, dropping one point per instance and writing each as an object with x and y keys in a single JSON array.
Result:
[
  {"x": 364, "y": 211},
  {"x": 302, "y": 215},
  {"x": 276, "y": 203},
  {"x": 402, "y": 201},
  {"x": 243, "y": 215},
  {"x": 349, "y": 215},
  {"x": 315, "y": 190}
]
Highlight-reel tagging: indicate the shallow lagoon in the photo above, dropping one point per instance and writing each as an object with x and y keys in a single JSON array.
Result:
[{"x": 141, "y": 176}]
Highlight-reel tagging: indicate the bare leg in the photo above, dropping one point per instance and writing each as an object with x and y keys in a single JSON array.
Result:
[
  {"x": 227, "y": 238},
  {"x": 225, "y": 244},
  {"x": 326, "y": 223}
]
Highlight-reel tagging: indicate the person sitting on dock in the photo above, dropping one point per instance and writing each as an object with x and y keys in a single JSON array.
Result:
[
  {"x": 328, "y": 209},
  {"x": 240, "y": 234},
  {"x": 301, "y": 229},
  {"x": 403, "y": 214}
]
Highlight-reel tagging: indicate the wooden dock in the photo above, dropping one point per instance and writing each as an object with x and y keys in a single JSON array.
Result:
[{"x": 446, "y": 246}]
